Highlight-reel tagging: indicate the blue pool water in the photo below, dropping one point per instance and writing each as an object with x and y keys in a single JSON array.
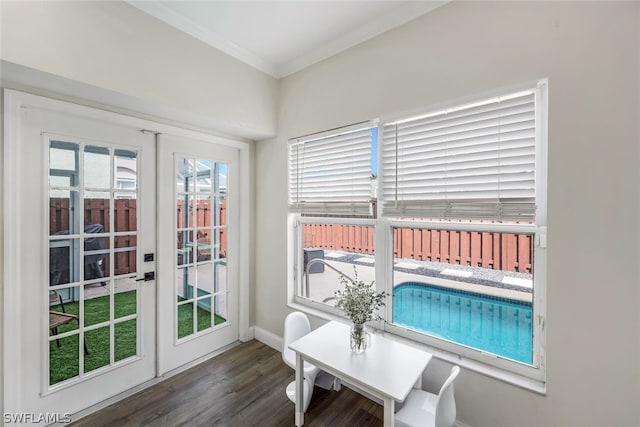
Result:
[{"x": 494, "y": 325}]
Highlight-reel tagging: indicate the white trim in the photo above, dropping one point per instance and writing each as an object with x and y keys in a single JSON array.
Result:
[
  {"x": 268, "y": 338},
  {"x": 245, "y": 258},
  {"x": 12, "y": 243}
]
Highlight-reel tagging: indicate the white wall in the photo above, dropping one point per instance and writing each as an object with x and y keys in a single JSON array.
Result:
[
  {"x": 590, "y": 52},
  {"x": 114, "y": 46}
]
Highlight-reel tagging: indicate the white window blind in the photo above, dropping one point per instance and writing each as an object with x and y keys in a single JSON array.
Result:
[
  {"x": 475, "y": 161},
  {"x": 330, "y": 172}
]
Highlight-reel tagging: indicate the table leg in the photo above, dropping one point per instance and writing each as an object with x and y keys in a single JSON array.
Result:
[
  {"x": 389, "y": 409},
  {"x": 299, "y": 390}
]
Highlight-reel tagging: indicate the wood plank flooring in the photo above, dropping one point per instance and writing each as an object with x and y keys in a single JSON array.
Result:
[{"x": 243, "y": 387}]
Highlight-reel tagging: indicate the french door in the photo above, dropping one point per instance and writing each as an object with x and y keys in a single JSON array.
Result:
[
  {"x": 121, "y": 250},
  {"x": 82, "y": 327},
  {"x": 198, "y": 249}
]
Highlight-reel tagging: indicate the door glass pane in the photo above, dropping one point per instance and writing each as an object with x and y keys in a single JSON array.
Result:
[
  {"x": 184, "y": 215},
  {"x": 185, "y": 319},
  {"x": 220, "y": 276},
  {"x": 98, "y": 353},
  {"x": 185, "y": 278},
  {"x": 220, "y": 308},
  {"x": 184, "y": 175},
  {"x": 62, "y": 207},
  {"x": 126, "y": 167},
  {"x": 63, "y": 164},
  {"x": 96, "y": 304},
  {"x": 97, "y": 211},
  {"x": 125, "y": 297},
  {"x": 97, "y": 167},
  {"x": 63, "y": 310},
  {"x": 203, "y": 211},
  {"x": 204, "y": 313},
  {"x": 64, "y": 359},
  {"x": 125, "y": 339},
  {"x": 125, "y": 262},
  {"x": 125, "y": 254},
  {"x": 96, "y": 257},
  {"x": 203, "y": 178},
  {"x": 63, "y": 267},
  {"x": 185, "y": 247},
  {"x": 200, "y": 206},
  {"x": 125, "y": 218},
  {"x": 204, "y": 279},
  {"x": 82, "y": 318}
]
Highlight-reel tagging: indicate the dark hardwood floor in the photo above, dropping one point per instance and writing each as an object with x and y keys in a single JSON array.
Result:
[{"x": 242, "y": 387}]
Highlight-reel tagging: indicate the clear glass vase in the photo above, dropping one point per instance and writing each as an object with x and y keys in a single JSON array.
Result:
[{"x": 359, "y": 338}]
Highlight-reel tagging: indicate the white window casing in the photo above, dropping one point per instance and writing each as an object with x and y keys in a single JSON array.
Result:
[{"x": 477, "y": 167}]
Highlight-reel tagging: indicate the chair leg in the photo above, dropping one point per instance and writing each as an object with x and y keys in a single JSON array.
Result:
[
  {"x": 84, "y": 341},
  {"x": 55, "y": 332}
]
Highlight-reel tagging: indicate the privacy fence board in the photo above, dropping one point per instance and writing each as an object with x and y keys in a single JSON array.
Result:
[
  {"x": 499, "y": 251},
  {"x": 97, "y": 211}
]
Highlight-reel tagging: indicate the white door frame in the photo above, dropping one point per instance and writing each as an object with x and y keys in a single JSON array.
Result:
[{"x": 14, "y": 101}]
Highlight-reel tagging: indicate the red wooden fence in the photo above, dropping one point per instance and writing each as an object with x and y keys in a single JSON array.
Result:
[
  {"x": 204, "y": 216},
  {"x": 499, "y": 251},
  {"x": 96, "y": 211}
]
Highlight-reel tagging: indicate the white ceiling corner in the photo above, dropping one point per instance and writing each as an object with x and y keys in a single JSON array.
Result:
[{"x": 282, "y": 37}]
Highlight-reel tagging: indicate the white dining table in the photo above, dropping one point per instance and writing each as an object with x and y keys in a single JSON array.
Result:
[{"x": 387, "y": 369}]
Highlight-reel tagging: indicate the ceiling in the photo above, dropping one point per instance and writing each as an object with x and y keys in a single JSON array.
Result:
[{"x": 282, "y": 37}]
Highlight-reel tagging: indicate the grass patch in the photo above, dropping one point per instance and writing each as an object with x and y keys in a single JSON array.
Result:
[
  {"x": 185, "y": 319},
  {"x": 64, "y": 360}
]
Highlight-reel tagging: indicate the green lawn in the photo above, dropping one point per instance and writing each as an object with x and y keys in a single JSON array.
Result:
[{"x": 64, "y": 360}]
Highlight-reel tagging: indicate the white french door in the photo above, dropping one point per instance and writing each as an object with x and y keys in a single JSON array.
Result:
[
  {"x": 92, "y": 204},
  {"x": 198, "y": 249},
  {"x": 82, "y": 189}
]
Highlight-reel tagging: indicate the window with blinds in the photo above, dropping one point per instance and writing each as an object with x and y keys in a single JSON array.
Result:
[
  {"x": 330, "y": 172},
  {"x": 476, "y": 161}
]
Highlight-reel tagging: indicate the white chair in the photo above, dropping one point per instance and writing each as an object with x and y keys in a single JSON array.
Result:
[
  {"x": 296, "y": 325},
  {"x": 422, "y": 409}
]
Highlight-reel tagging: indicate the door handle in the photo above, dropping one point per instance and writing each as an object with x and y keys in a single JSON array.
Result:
[{"x": 150, "y": 275}]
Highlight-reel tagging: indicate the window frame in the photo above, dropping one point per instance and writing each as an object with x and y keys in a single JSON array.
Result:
[
  {"x": 298, "y": 222},
  {"x": 532, "y": 377}
]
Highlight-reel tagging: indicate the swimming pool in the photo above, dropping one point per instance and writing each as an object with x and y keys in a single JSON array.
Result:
[{"x": 494, "y": 325}]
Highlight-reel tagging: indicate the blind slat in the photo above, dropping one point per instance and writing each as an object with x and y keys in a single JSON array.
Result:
[
  {"x": 330, "y": 172},
  {"x": 473, "y": 163}
]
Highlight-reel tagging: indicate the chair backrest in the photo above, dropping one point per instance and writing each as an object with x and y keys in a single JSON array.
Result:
[
  {"x": 446, "y": 406},
  {"x": 296, "y": 325}
]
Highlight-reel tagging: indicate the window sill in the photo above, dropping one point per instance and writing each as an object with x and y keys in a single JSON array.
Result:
[{"x": 520, "y": 381}]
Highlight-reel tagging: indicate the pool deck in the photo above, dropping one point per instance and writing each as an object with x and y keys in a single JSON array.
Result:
[{"x": 513, "y": 286}]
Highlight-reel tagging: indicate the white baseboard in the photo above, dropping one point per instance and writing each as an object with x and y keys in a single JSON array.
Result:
[{"x": 272, "y": 340}]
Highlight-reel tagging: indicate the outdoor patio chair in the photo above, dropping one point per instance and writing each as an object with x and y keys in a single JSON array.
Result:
[
  {"x": 422, "y": 409},
  {"x": 57, "y": 318}
]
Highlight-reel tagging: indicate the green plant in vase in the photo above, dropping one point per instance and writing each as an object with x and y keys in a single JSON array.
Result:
[{"x": 360, "y": 302}]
